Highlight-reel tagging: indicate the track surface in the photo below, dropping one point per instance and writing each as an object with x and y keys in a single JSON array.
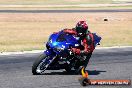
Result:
[
  {"x": 63, "y": 11},
  {"x": 15, "y": 70}
]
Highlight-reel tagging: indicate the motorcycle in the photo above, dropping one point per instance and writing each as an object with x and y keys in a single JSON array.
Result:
[{"x": 59, "y": 55}]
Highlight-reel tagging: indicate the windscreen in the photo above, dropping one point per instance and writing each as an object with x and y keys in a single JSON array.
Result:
[{"x": 61, "y": 37}]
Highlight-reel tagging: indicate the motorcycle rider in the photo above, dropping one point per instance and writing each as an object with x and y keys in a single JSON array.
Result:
[{"x": 86, "y": 40}]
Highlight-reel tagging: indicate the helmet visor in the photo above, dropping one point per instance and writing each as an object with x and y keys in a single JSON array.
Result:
[{"x": 80, "y": 30}]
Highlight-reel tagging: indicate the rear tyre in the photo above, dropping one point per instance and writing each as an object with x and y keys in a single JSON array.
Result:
[
  {"x": 85, "y": 63},
  {"x": 39, "y": 65},
  {"x": 68, "y": 69},
  {"x": 82, "y": 64}
]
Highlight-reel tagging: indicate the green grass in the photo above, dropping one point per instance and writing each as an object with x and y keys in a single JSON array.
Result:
[
  {"x": 52, "y": 2},
  {"x": 83, "y": 8},
  {"x": 42, "y": 7}
]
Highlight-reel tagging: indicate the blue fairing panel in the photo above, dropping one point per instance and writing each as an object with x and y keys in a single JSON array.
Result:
[
  {"x": 62, "y": 40},
  {"x": 96, "y": 39},
  {"x": 49, "y": 52}
]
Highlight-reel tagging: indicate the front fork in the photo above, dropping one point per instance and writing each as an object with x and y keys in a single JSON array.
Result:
[{"x": 51, "y": 56}]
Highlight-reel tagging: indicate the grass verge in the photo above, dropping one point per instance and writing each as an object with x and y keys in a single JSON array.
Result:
[{"x": 52, "y": 2}]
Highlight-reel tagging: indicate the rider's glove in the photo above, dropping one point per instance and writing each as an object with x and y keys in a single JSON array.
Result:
[{"x": 75, "y": 50}]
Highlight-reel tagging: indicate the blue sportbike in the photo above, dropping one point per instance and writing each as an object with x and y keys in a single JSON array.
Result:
[{"x": 58, "y": 54}]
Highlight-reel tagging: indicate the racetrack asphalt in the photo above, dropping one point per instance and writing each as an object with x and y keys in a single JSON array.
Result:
[
  {"x": 114, "y": 63},
  {"x": 64, "y": 11}
]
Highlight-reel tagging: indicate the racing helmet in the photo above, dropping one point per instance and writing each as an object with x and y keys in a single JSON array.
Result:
[{"x": 81, "y": 28}]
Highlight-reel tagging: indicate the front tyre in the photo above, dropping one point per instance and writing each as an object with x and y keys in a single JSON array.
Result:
[{"x": 40, "y": 65}]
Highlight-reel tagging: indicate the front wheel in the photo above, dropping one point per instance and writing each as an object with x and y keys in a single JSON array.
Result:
[{"x": 40, "y": 65}]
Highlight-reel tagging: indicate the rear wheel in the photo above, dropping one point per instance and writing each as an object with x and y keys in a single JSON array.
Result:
[
  {"x": 85, "y": 63},
  {"x": 68, "y": 69},
  {"x": 40, "y": 65},
  {"x": 79, "y": 64}
]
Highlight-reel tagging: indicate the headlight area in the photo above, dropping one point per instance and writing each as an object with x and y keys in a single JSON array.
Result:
[{"x": 59, "y": 49}]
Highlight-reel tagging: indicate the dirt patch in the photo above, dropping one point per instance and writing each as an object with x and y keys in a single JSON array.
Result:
[{"x": 29, "y": 31}]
